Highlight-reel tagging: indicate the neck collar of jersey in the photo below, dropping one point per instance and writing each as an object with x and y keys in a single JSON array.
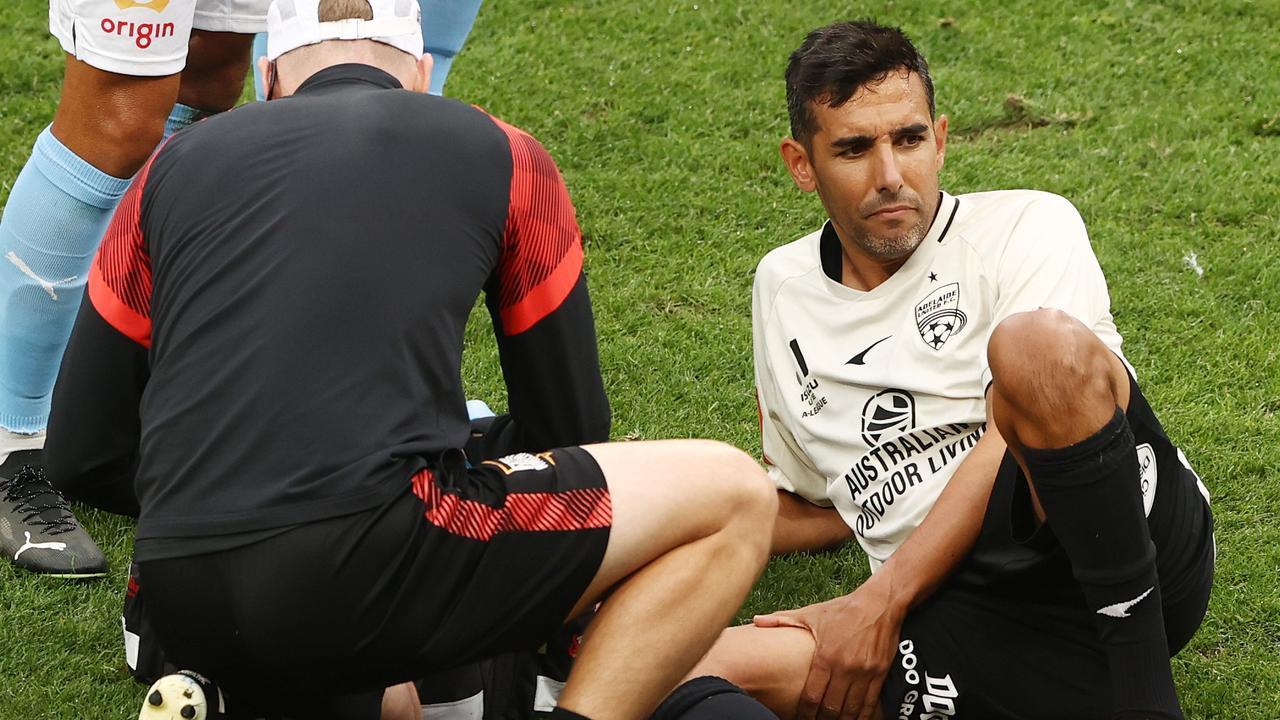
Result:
[
  {"x": 348, "y": 74},
  {"x": 831, "y": 257}
]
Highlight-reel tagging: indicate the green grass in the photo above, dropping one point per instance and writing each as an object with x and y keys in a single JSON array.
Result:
[{"x": 1161, "y": 121}]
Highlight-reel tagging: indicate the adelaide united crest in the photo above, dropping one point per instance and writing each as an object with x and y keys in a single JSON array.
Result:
[{"x": 939, "y": 317}]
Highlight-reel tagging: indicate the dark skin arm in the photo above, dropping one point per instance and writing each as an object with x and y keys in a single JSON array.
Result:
[
  {"x": 803, "y": 527},
  {"x": 857, "y": 634}
]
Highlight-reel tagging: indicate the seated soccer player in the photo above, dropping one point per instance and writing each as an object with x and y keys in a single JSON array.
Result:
[
  {"x": 269, "y": 355},
  {"x": 129, "y": 64},
  {"x": 940, "y": 379}
]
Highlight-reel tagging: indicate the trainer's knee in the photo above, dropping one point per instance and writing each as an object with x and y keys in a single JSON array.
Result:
[
  {"x": 1046, "y": 362},
  {"x": 744, "y": 480}
]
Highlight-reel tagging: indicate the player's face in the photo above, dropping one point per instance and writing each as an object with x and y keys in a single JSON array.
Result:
[{"x": 874, "y": 161}]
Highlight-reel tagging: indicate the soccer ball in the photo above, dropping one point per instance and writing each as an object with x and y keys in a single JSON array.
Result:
[{"x": 180, "y": 696}]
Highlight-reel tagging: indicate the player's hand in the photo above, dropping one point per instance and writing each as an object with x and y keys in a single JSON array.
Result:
[{"x": 856, "y": 637}]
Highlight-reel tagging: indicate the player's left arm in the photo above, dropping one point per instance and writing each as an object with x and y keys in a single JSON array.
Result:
[{"x": 542, "y": 316}]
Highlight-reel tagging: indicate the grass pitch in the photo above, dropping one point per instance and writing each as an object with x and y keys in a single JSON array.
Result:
[{"x": 1161, "y": 121}]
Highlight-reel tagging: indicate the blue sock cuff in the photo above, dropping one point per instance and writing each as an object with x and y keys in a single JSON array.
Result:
[
  {"x": 182, "y": 116},
  {"x": 71, "y": 174}
]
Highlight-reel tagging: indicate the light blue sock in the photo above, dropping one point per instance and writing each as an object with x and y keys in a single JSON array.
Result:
[
  {"x": 445, "y": 26},
  {"x": 181, "y": 116},
  {"x": 259, "y": 51},
  {"x": 56, "y": 214}
]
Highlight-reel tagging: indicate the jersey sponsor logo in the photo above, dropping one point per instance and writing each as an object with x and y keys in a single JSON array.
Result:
[
  {"x": 891, "y": 469},
  {"x": 1121, "y": 609},
  {"x": 810, "y": 396},
  {"x": 141, "y": 33},
  {"x": 1148, "y": 474},
  {"x": 861, "y": 358},
  {"x": 938, "y": 316},
  {"x": 522, "y": 461},
  {"x": 156, "y": 5},
  {"x": 888, "y": 411}
]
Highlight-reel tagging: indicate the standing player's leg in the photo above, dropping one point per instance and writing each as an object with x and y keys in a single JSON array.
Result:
[
  {"x": 120, "y": 85},
  {"x": 105, "y": 127},
  {"x": 445, "y": 26},
  {"x": 1059, "y": 396},
  {"x": 690, "y": 533}
]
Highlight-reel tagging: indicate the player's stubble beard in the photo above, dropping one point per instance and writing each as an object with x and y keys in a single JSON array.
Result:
[{"x": 887, "y": 248}]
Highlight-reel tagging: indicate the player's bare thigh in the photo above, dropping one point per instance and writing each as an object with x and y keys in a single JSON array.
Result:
[{"x": 668, "y": 493}]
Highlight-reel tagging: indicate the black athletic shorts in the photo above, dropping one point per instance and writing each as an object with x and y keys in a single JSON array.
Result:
[
  {"x": 1009, "y": 637},
  {"x": 463, "y": 565}
]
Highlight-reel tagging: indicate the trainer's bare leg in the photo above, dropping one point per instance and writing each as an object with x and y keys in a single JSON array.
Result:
[{"x": 692, "y": 521}]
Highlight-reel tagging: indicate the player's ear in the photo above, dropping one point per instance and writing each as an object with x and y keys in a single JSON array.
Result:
[
  {"x": 423, "y": 82},
  {"x": 940, "y": 138},
  {"x": 796, "y": 158}
]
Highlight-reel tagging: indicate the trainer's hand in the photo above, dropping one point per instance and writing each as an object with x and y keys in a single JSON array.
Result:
[{"x": 856, "y": 637}]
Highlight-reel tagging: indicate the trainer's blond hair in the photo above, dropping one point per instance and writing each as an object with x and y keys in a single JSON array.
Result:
[{"x": 332, "y": 10}]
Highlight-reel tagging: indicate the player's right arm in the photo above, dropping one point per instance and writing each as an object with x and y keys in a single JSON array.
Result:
[
  {"x": 541, "y": 311},
  {"x": 806, "y": 520}
]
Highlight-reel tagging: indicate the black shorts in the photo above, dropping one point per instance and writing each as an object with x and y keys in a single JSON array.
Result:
[
  {"x": 460, "y": 566},
  {"x": 1009, "y": 637}
]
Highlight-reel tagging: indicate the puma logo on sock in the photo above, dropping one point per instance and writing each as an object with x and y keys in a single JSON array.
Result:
[{"x": 47, "y": 285}]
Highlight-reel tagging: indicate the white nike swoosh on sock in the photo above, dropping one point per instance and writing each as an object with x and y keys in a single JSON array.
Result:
[
  {"x": 1121, "y": 609},
  {"x": 26, "y": 270}
]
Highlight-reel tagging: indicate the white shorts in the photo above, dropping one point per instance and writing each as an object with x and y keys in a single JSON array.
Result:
[{"x": 146, "y": 37}]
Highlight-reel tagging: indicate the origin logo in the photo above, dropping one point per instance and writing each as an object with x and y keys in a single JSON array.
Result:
[{"x": 142, "y": 33}]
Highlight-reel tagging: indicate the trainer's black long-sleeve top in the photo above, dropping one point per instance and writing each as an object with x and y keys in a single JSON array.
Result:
[{"x": 273, "y": 327}]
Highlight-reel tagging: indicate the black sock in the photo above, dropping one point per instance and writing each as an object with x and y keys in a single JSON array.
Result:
[
  {"x": 560, "y": 713},
  {"x": 1092, "y": 501},
  {"x": 711, "y": 698}
]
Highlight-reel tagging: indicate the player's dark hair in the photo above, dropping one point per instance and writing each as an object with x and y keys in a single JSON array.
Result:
[{"x": 835, "y": 61}]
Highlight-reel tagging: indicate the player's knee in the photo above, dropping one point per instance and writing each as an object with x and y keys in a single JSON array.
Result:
[
  {"x": 1047, "y": 361},
  {"x": 126, "y": 138}
]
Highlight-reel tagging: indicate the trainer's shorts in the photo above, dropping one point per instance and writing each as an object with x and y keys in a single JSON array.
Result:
[
  {"x": 1009, "y": 637},
  {"x": 461, "y": 566},
  {"x": 146, "y": 38}
]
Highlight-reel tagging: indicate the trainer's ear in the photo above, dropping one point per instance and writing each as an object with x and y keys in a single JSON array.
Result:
[
  {"x": 797, "y": 161},
  {"x": 422, "y": 83},
  {"x": 264, "y": 76}
]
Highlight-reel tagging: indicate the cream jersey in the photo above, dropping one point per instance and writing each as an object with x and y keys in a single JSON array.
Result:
[{"x": 869, "y": 401}]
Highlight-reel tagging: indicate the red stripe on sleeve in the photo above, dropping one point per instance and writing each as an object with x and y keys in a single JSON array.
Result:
[
  {"x": 120, "y": 279},
  {"x": 542, "y": 244}
]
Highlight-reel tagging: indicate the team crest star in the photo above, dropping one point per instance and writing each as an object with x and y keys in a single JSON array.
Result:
[{"x": 933, "y": 277}]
